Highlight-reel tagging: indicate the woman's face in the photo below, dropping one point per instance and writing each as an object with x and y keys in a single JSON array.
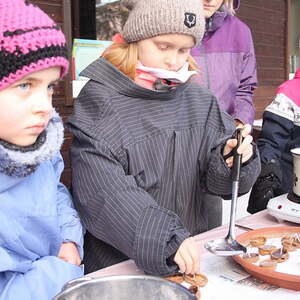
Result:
[
  {"x": 211, "y": 6},
  {"x": 168, "y": 51}
]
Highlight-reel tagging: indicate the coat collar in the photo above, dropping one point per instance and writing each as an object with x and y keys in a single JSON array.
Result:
[
  {"x": 105, "y": 73},
  {"x": 217, "y": 19},
  {"x": 18, "y": 164}
]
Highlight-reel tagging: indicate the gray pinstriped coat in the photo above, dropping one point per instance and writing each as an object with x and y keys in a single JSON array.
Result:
[{"x": 141, "y": 161}]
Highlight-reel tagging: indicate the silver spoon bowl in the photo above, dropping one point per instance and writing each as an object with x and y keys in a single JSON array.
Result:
[{"x": 225, "y": 247}]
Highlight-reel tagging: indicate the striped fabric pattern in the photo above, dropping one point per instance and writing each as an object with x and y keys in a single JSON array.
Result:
[{"x": 142, "y": 161}]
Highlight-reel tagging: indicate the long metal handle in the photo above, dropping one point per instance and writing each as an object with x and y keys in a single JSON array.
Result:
[
  {"x": 235, "y": 188},
  {"x": 237, "y": 158},
  {"x": 235, "y": 175}
]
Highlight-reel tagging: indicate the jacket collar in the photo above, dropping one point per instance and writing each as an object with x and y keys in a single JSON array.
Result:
[
  {"x": 105, "y": 73},
  {"x": 217, "y": 19}
]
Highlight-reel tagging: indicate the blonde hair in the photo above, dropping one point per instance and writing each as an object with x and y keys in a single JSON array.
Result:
[
  {"x": 124, "y": 56},
  {"x": 229, "y": 4}
]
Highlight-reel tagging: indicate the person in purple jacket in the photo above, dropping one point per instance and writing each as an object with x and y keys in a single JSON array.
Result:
[
  {"x": 227, "y": 66},
  {"x": 226, "y": 60}
]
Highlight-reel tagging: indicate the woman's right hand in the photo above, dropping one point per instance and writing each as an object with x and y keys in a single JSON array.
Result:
[{"x": 187, "y": 257}]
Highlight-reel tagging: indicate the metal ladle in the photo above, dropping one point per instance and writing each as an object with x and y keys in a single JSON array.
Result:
[{"x": 229, "y": 246}]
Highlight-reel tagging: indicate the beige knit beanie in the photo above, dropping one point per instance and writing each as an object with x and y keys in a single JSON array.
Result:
[{"x": 148, "y": 18}]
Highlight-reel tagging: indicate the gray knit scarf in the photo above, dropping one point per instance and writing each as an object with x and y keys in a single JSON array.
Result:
[{"x": 19, "y": 161}]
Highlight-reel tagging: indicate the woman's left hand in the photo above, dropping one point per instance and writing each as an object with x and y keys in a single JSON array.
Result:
[{"x": 245, "y": 149}]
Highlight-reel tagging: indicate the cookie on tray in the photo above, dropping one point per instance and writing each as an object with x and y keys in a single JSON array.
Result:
[
  {"x": 288, "y": 244},
  {"x": 280, "y": 255},
  {"x": 266, "y": 249},
  {"x": 257, "y": 241},
  {"x": 296, "y": 240},
  {"x": 268, "y": 264}
]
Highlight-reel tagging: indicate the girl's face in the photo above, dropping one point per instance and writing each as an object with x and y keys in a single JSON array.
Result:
[
  {"x": 26, "y": 107},
  {"x": 211, "y": 6},
  {"x": 168, "y": 51}
]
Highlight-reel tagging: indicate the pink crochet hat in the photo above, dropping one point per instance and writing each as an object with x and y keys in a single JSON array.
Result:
[{"x": 29, "y": 41}]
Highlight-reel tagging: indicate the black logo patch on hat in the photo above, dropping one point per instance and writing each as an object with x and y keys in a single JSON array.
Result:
[{"x": 189, "y": 19}]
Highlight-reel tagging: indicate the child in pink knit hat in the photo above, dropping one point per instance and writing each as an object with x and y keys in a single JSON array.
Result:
[{"x": 40, "y": 232}]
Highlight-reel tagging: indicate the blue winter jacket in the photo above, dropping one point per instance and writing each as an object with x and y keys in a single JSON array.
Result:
[{"x": 36, "y": 216}]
